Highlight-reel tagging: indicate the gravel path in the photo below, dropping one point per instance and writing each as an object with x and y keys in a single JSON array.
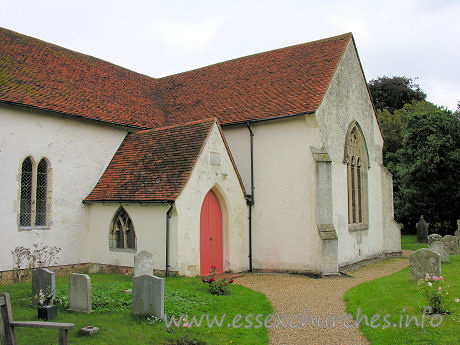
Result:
[{"x": 291, "y": 293}]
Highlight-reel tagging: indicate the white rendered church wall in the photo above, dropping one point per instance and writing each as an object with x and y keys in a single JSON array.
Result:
[
  {"x": 149, "y": 221},
  {"x": 285, "y": 234},
  {"x": 78, "y": 152}
]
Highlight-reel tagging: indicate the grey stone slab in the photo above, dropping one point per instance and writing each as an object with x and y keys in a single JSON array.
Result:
[
  {"x": 439, "y": 248},
  {"x": 451, "y": 244},
  {"x": 422, "y": 231},
  {"x": 433, "y": 238},
  {"x": 424, "y": 261},
  {"x": 143, "y": 264},
  {"x": 148, "y": 296},
  {"x": 45, "y": 280},
  {"x": 80, "y": 293}
]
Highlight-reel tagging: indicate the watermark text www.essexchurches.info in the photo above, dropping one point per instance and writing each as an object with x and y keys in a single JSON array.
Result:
[{"x": 306, "y": 320}]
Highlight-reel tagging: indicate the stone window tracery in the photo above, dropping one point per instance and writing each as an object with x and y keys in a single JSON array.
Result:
[
  {"x": 122, "y": 235},
  {"x": 356, "y": 158}
]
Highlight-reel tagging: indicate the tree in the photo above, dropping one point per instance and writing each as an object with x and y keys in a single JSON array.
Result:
[
  {"x": 457, "y": 112},
  {"x": 392, "y": 127},
  {"x": 393, "y": 93},
  {"x": 427, "y": 167}
]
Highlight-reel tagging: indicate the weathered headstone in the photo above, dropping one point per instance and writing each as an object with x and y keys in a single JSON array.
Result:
[
  {"x": 439, "y": 248},
  {"x": 422, "y": 231},
  {"x": 148, "y": 296},
  {"x": 424, "y": 261},
  {"x": 451, "y": 244},
  {"x": 80, "y": 293},
  {"x": 434, "y": 237},
  {"x": 143, "y": 264},
  {"x": 457, "y": 232},
  {"x": 45, "y": 280}
]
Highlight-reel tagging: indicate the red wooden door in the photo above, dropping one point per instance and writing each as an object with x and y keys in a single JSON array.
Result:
[{"x": 211, "y": 241}]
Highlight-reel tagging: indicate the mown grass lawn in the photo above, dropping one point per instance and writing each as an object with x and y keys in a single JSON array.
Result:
[
  {"x": 112, "y": 313},
  {"x": 409, "y": 242},
  {"x": 390, "y": 294}
]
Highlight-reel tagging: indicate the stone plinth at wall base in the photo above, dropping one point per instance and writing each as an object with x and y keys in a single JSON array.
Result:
[
  {"x": 367, "y": 261},
  {"x": 88, "y": 330},
  {"x": 311, "y": 274},
  {"x": 6, "y": 277},
  {"x": 393, "y": 254}
]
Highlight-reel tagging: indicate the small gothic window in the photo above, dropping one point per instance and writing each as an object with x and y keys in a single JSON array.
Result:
[
  {"x": 26, "y": 193},
  {"x": 41, "y": 194},
  {"x": 356, "y": 158},
  {"x": 122, "y": 235}
]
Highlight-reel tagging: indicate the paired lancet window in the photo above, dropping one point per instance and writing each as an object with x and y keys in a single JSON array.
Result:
[
  {"x": 356, "y": 158},
  {"x": 34, "y": 192},
  {"x": 122, "y": 235}
]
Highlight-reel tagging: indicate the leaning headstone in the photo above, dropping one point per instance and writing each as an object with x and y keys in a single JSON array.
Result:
[
  {"x": 451, "y": 244},
  {"x": 148, "y": 296},
  {"x": 433, "y": 238},
  {"x": 424, "y": 261},
  {"x": 45, "y": 280},
  {"x": 439, "y": 248},
  {"x": 422, "y": 231},
  {"x": 143, "y": 263},
  {"x": 80, "y": 293}
]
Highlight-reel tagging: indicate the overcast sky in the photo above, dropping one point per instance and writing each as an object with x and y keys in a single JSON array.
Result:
[{"x": 418, "y": 39}]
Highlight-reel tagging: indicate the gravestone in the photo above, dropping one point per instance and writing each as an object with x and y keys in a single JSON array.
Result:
[
  {"x": 434, "y": 237},
  {"x": 45, "y": 280},
  {"x": 439, "y": 248},
  {"x": 424, "y": 261},
  {"x": 451, "y": 244},
  {"x": 143, "y": 264},
  {"x": 457, "y": 232},
  {"x": 148, "y": 296},
  {"x": 80, "y": 293},
  {"x": 422, "y": 231}
]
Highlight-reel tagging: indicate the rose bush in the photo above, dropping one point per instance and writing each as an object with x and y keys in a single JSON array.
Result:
[{"x": 217, "y": 286}]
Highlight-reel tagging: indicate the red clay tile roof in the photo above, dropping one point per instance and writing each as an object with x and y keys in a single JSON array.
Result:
[
  {"x": 42, "y": 75},
  {"x": 273, "y": 84},
  {"x": 153, "y": 165},
  {"x": 277, "y": 83}
]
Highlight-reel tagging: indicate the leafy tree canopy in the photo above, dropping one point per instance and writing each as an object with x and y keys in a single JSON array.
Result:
[
  {"x": 426, "y": 167},
  {"x": 393, "y": 93}
]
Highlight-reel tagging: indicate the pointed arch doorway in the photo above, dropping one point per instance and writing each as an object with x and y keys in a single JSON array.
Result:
[{"x": 211, "y": 235}]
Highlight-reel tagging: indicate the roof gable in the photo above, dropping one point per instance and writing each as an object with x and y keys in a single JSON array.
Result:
[{"x": 153, "y": 165}]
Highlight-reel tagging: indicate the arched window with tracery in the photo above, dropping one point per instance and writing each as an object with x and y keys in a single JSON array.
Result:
[
  {"x": 25, "y": 212},
  {"x": 357, "y": 160},
  {"x": 41, "y": 193},
  {"x": 122, "y": 235}
]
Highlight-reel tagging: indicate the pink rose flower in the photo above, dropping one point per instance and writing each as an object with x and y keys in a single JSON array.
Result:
[
  {"x": 213, "y": 267},
  {"x": 439, "y": 288},
  {"x": 435, "y": 278},
  {"x": 457, "y": 300},
  {"x": 429, "y": 284}
]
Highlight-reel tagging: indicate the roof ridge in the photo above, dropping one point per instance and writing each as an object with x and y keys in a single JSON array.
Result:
[
  {"x": 350, "y": 34},
  {"x": 34, "y": 40}
]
